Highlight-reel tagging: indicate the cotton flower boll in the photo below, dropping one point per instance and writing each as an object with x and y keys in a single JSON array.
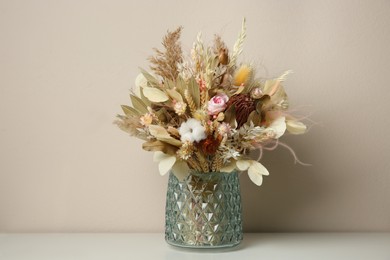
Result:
[
  {"x": 192, "y": 131},
  {"x": 217, "y": 104}
]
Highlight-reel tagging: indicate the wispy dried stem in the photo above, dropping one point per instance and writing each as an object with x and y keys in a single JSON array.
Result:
[{"x": 164, "y": 63}]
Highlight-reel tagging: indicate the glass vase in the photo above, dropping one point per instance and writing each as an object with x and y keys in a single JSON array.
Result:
[{"x": 204, "y": 210}]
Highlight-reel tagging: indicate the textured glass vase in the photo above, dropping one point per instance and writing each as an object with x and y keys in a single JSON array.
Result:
[{"x": 204, "y": 211}]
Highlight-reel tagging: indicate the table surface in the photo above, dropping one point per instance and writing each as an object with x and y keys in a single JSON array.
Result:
[{"x": 135, "y": 246}]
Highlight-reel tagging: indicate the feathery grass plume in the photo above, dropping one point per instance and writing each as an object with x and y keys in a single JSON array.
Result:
[
  {"x": 238, "y": 46},
  {"x": 243, "y": 75},
  {"x": 164, "y": 63}
]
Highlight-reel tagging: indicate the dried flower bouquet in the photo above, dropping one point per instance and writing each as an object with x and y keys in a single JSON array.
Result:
[{"x": 206, "y": 112}]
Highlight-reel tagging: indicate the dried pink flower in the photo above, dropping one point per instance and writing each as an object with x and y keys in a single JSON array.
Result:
[{"x": 217, "y": 104}]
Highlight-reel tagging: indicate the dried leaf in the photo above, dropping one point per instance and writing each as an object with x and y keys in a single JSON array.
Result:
[
  {"x": 295, "y": 127},
  {"x": 254, "y": 117},
  {"x": 154, "y": 146},
  {"x": 263, "y": 101},
  {"x": 230, "y": 116},
  {"x": 243, "y": 165},
  {"x": 129, "y": 111},
  {"x": 181, "y": 170},
  {"x": 239, "y": 90},
  {"x": 154, "y": 94},
  {"x": 278, "y": 126},
  {"x": 152, "y": 81},
  {"x": 140, "y": 82},
  {"x": 229, "y": 167},
  {"x": 160, "y": 133},
  {"x": 138, "y": 104},
  {"x": 194, "y": 91},
  {"x": 256, "y": 172},
  {"x": 166, "y": 164},
  {"x": 144, "y": 99},
  {"x": 174, "y": 95}
]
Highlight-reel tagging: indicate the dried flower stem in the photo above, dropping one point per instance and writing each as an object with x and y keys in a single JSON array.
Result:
[
  {"x": 202, "y": 161},
  {"x": 217, "y": 162},
  {"x": 192, "y": 163},
  {"x": 204, "y": 97},
  {"x": 190, "y": 101}
]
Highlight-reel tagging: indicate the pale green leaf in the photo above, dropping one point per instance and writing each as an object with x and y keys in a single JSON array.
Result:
[
  {"x": 129, "y": 111},
  {"x": 154, "y": 94},
  {"x": 144, "y": 99},
  {"x": 138, "y": 104},
  {"x": 152, "y": 81},
  {"x": 141, "y": 81},
  {"x": 174, "y": 95}
]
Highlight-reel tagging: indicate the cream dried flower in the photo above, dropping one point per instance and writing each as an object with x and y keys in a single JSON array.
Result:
[
  {"x": 180, "y": 108},
  {"x": 185, "y": 150},
  {"x": 146, "y": 119}
]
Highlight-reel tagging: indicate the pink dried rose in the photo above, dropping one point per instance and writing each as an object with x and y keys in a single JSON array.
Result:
[{"x": 217, "y": 104}]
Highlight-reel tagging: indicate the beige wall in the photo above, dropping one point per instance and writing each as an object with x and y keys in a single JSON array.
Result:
[{"x": 66, "y": 66}]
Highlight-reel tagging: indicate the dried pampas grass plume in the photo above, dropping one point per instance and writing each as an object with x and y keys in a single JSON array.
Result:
[{"x": 164, "y": 63}]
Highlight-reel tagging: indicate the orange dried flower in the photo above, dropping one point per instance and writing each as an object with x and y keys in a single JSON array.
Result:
[{"x": 210, "y": 145}]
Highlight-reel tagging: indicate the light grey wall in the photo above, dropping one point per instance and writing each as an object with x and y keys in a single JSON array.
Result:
[{"x": 66, "y": 66}]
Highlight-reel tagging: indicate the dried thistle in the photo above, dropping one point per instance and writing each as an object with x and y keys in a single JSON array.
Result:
[{"x": 165, "y": 63}]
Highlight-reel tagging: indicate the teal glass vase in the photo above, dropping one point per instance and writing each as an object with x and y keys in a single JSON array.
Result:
[{"x": 204, "y": 210}]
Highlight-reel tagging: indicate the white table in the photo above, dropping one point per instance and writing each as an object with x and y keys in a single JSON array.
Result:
[{"x": 118, "y": 246}]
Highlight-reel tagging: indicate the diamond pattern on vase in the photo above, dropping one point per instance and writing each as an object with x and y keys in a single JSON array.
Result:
[{"x": 204, "y": 210}]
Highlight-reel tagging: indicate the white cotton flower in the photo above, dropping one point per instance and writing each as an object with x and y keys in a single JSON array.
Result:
[{"x": 192, "y": 131}]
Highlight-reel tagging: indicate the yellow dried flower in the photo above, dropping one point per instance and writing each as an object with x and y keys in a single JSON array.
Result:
[{"x": 243, "y": 74}]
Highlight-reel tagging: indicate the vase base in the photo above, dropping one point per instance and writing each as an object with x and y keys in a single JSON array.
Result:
[{"x": 203, "y": 246}]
